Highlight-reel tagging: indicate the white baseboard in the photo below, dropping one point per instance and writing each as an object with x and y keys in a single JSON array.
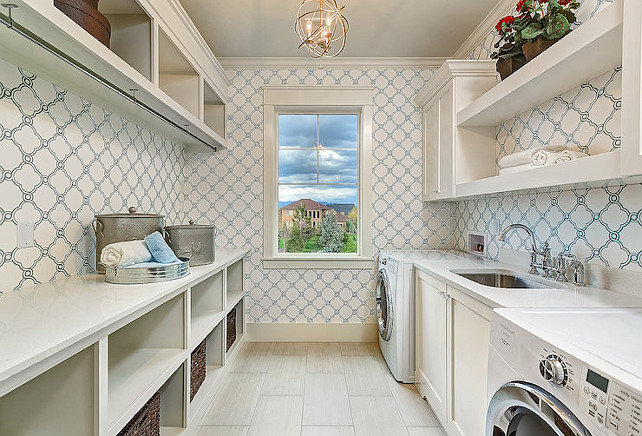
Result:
[{"x": 311, "y": 332}]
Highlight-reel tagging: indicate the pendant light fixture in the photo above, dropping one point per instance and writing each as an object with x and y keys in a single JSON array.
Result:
[{"x": 321, "y": 27}]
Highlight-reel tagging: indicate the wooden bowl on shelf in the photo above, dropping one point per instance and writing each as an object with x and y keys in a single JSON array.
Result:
[{"x": 85, "y": 13}]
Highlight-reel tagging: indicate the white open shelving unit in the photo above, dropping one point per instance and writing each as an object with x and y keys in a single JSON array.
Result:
[
  {"x": 562, "y": 67},
  {"x": 99, "y": 388},
  {"x": 156, "y": 57},
  {"x": 566, "y": 65}
]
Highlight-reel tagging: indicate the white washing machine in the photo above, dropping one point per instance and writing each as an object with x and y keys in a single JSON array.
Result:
[
  {"x": 395, "y": 307},
  {"x": 565, "y": 372}
]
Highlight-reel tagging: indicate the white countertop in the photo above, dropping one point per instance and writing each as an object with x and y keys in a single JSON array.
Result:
[
  {"x": 39, "y": 323},
  {"x": 566, "y": 295}
]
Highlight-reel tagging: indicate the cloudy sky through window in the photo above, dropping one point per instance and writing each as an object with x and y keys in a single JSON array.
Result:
[{"x": 315, "y": 151}]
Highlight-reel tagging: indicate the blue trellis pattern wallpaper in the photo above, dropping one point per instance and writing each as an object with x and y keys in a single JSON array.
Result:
[
  {"x": 600, "y": 225},
  {"x": 65, "y": 159},
  {"x": 227, "y": 188}
]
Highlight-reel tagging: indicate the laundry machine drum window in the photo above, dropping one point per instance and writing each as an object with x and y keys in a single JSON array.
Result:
[
  {"x": 385, "y": 313},
  {"x": 524, "y": 409}
]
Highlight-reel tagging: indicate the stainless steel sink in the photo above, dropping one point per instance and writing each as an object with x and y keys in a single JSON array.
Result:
[{"x": 500, "y": 278}]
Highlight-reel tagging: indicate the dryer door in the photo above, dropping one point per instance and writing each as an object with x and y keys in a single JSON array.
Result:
[
  {"x": 385, "y": 313},
  {"x": 525, "y": 409}
]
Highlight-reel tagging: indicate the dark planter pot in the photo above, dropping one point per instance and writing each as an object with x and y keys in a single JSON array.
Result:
[
  {"x": 85, "y": 13},
  {"x": 506, "y": 67},
  {"x": 532, "y": 49}
]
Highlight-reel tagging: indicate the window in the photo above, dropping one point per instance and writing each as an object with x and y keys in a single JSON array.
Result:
[
  {"x": 318, "y": 170},
  {"x": 317, "y": 179}
]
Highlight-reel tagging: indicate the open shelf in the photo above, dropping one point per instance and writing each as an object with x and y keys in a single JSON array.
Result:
[
  {"x": 595, "y": 168},
  {"x": 214, "y": 361},
  {"x": 142, "y": 356},
  {"x": 206, "y": 308},
  {"x": 592, "y": 49},
  {"x": 173, "y": 405},
  {"x": 59, "y": 401},
  {"x": 213, "y": 110},
  {"x": 176, "y": 76},
  {"x": 235, "y": 290},
  {"x": 131, "y": 33},
  {"x": 239, "y": 308}
]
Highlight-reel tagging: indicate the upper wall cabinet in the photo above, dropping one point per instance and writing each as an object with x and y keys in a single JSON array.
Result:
[
  {"x": 449, "y": 154},
  {"x": 632, "y": 89},
  {"x": 158, "y": 71}
]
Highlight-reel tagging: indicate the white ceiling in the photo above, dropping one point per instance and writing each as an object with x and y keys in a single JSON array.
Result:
[{"x": 378, "y": 28}]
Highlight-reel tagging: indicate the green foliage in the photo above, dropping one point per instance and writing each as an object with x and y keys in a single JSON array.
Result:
[
  {"x": 349, "y": 244},
  {"x": 353, "y": 216},
  {"x": 302, "y": 221},
  {"x": 294, "y": 243},
  {"x": 331, "y": 240},
  {"x": 350, "y": 227}
]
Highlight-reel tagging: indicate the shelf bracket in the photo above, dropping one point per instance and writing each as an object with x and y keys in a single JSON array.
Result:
[{"x": 9, "y": 7}]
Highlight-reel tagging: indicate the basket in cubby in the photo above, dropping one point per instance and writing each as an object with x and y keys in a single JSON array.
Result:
[
  {"x": 198, "y": 368},
  {"x": 147, "y": 420},
  {"x": 231, "y": 329}
]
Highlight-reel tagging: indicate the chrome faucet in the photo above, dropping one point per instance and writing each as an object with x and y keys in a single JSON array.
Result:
[{"x": 547, "y": 263}]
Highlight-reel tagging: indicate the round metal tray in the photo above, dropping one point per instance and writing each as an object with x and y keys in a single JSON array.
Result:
[{"x": 142, "y": 275}]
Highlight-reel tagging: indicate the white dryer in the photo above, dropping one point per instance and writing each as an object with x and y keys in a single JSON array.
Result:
[
  {"x": 395, "y": 307},
  {"x": 565, "y": 372}
]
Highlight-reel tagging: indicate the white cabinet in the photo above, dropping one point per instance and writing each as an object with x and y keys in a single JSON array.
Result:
[
  {"x": 454, "y": 85},
  {"x": 470, "y": 336},
  {"x": 452, "y": 337},
  {"x": 431, "y": 366}
]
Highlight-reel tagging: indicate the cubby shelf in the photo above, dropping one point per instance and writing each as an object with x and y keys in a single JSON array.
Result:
[
  {"x": 587, "y": 52},
  {"x": 97, "y": 372},
  {"x": 131, "y": 64}
]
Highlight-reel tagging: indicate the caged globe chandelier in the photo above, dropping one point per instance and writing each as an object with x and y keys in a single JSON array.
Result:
[{"x": 321, "y": 27}]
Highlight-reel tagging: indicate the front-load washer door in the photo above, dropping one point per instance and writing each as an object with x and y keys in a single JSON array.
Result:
[
  {"x": 385, "y": 312},
  {"x": 525, "y": 409}
]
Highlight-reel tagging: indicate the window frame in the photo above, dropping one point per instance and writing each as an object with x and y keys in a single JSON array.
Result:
[{"x": 317, "y": 99}]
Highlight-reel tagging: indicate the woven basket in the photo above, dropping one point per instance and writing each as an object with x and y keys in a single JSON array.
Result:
[
  {"x": 147, "y": 420},
  {"x": 198, "y": 369},
  {"x": 85, "y": 13},
  {"x": 231, "y": 329}
]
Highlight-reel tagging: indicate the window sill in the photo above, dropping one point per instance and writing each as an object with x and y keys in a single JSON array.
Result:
[{"x": 318, "y": 262}]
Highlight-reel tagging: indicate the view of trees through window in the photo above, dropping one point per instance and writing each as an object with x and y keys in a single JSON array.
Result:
[{"x": 318, "y": 183}]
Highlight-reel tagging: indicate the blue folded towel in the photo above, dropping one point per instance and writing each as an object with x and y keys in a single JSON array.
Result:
[
  {"x": 150, "y": 265},
  {"x": 159, "y": 249}
]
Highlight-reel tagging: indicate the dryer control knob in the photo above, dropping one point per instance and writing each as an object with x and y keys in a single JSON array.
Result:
[
  {"x": 552, "y": 369},
  {"x": 384, "y": 261}
]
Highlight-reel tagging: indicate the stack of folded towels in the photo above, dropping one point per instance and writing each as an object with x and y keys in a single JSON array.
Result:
[
  {"x": 538, "y": 157},
  {"x": 151, "y": 252}
]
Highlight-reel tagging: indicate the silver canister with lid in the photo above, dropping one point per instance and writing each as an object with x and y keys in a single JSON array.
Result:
[
  {"x": 118, "y": 227},
  {"x": 194, "y": 242}
]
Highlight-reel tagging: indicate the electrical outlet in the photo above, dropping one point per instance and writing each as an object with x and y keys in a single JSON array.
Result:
[
  {"x": 495, "y": 227},
  {"x": 25, "y": 234}
]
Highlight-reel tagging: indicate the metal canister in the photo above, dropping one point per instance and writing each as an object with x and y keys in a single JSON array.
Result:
[
  {"x": 118, "y": 227},
  {"x": 194, "y": 242}
]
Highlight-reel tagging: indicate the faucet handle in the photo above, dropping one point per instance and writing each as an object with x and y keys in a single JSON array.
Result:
[
  {"x": 578, "y": 272},
  {"x": 562, "y": 265}
]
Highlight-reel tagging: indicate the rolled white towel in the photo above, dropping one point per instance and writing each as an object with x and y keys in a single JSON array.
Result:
[
  {"x": 543, "y": 157},
  {"x": 525, "y": 157},
  {"x": 517, "y": 169},
  {"x": 125, "y": 253},
  {"x": 569, "y": 155}
]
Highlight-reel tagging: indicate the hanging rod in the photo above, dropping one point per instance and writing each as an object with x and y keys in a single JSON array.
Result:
[{"x": 8, "y": 21}]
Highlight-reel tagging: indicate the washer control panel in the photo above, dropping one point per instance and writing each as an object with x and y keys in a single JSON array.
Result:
[{"x": 611, "y": 405}]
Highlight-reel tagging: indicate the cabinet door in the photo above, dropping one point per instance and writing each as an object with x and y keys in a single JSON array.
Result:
[
  {"x": 632, "y": 89},
  {"x": 431, "y": 151},
  {"x": 430, "y": 342},
  {"x": 446, "y": 143},
  {"x": 470, "y": 323}
]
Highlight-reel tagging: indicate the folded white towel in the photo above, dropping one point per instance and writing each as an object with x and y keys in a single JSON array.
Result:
[
  {"x": 517, "y": 169},
  {"x": 568, "y": 155},
  {"x": 125, "y": 253},
  {"x": 525, "y": 157},
  {"x": 543, "y": 157}
]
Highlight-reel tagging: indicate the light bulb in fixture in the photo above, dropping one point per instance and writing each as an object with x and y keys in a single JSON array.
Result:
[{"x": 321, "y": 27}]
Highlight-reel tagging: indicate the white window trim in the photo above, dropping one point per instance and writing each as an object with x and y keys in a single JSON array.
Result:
[{"x": 312, "y": 98}]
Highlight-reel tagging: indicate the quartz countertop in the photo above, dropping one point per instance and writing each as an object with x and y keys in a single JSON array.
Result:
[
  {"x": 44, "y": 324},
  {"x": 562, "y": 295}
]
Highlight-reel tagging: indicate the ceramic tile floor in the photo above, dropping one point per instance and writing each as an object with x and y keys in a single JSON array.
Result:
[{"x": 315, "y": 389}]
